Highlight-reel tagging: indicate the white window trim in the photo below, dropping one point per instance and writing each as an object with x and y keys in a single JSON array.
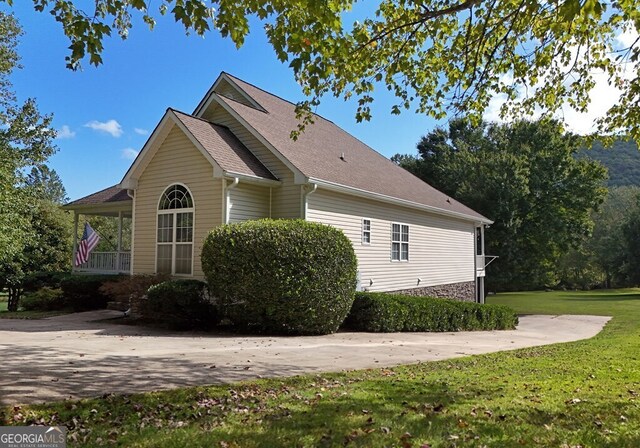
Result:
[
  {"x": 175, "y": 212},
  {"x": 408, "y": 242},
  {"x": 362, "y": 232}
]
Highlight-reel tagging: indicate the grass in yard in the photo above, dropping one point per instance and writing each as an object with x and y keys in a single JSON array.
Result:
[
  {"x": 4, "y": 314},
  {"x": 584, "y": 393}
]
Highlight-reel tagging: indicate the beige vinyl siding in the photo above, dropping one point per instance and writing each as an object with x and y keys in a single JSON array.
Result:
[
  {"x": 248, "y": 202},
  {"x": 286, "y": 201},
  {"x": 176, "y": 161},
  {"x": 441, "y": 249},
  {"x": 285, "y": 198}
]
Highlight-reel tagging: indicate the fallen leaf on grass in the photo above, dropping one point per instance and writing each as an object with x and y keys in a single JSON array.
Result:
[{"x": 405, "y": 440}]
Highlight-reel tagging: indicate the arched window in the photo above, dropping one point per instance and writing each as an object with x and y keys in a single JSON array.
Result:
[{"x": 175, "y": 232}]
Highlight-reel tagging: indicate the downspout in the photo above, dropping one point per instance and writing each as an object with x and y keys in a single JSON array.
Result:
[
  {"x": 475, "y": 264},
  {"x": 305, "y": 202},
  {"x": 484, "y": 267},
  {"x": 228, "y": 188}
]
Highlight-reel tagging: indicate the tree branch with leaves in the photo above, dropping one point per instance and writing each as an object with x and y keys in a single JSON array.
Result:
[{"x": 439, "y": 57}]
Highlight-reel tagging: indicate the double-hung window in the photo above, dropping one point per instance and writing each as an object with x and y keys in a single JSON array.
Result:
[
  {"x": 366, "y": 231},
  {"x": 399, "y": 242},
  {"x": 175, "y": 232}
]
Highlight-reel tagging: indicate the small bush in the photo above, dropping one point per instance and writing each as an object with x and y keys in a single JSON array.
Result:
[
  {"x": 44, "y": 299},
  {"x": 282, "y": 277},
  {"x": 180, "y": 304},
  {"x": 381, "y": 312},
  {"x": 82, "y": 292},
  {"x": 37, "y": 280},
  {"x": 132, "y": 288}
]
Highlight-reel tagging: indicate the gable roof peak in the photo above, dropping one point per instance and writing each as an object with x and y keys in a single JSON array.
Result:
[
  {"x": 266, "y": 92},
  {"x": 315, "y": 154}
]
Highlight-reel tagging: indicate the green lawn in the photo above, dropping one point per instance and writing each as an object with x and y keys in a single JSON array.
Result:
[
  {"x": 584, "y": 394},
  {"x": 4, "y": 314}
]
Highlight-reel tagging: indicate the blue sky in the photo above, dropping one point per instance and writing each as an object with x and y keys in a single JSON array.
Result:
[{"x": 149, "y": 72}]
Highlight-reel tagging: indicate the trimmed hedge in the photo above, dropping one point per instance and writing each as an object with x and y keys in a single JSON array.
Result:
[
  {"x": 381, "y": 312},
  {"x": 37, "y": 280},
  {"x": 281, "y": 276},
  {"x": 44, "y": 299},
  {"x": 180, "y": 304},
  {"x": 82, "y": 292}
]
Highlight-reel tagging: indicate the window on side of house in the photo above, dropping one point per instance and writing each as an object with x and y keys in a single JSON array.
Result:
[
  {"x": 399, "y": 242},
  {"x": 175, "y": 232},
  {"x": 366, "y": 231}
]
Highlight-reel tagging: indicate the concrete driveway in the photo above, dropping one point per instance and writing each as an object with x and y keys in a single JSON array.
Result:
[{"x": 73, "y": 356}]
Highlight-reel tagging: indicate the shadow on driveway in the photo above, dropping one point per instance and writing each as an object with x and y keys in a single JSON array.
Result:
[{"x": 75, "y": 356}]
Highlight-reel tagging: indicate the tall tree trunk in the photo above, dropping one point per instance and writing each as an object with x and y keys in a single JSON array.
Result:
[{"x": 14, "y": 298}]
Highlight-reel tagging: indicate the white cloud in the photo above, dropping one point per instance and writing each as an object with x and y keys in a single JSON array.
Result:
[
  {"x": 129, "y": 153},
  {"x": 627, "y": 37},
  {"x": 109, "y": 127},
  {"x": 65, "y": 132},
  {"x": 602, "y": 96},
  {"x": 140, "y": 131}
]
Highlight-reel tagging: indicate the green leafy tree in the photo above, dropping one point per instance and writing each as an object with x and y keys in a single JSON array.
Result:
[
  {"x": 608, "y": 244},
  {"x": 524, "y": 176},
  {"x": 49, "y": 249},
  {"x": 433, "y": 55},
  {"x": 608, "y": 256},
  {"x": 26, "y": 140},
  {"x": 630, "y": 231},
  {"x": 46, "y": 184}
]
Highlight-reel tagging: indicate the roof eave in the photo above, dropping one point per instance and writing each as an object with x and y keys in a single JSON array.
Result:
[
  {"x": 100, "y": 206},
  {"x": 253, "y": 179},
  {"x": 204, "y": 103},
  {"x": 403, "y": 202}
]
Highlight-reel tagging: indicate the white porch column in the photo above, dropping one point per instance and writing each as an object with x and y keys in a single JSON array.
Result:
[
  {"x": 119, "y": 240},
  {"x": 75, "y": 240}
]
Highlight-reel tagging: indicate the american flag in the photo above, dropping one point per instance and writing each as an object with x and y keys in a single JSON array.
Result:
[{"x": 89, "y": 241}]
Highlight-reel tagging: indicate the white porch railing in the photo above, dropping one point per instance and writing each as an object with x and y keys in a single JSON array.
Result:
[{"x": 107, "y": 262}]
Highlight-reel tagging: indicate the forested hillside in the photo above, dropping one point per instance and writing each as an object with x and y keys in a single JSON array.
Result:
[{"x": 622, "y": 160}]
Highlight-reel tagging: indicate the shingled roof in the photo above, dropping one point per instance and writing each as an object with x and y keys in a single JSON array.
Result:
[
  {"x": 109, "y": 195},
  {"x": 318, "y": 152},
  {"x": 224, "y": 147}
]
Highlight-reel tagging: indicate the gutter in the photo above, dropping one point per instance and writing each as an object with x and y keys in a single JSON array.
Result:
[
  {"x": 390, "y": 199},
  {"x": 252, "y": 179}
]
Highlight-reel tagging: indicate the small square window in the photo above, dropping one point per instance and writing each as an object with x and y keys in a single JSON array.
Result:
[{"x": 366, "y": 231}]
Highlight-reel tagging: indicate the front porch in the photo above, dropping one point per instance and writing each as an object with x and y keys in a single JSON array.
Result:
[
  {"x": 109, "y": 212},
  {"x": 116, "y": 262}
]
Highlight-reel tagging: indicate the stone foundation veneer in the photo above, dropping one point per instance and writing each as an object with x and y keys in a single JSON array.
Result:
[{"x": 464, "y": 291}]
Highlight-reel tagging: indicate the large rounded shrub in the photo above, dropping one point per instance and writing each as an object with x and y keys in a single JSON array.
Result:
[{"x": 281, "y": 276}]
